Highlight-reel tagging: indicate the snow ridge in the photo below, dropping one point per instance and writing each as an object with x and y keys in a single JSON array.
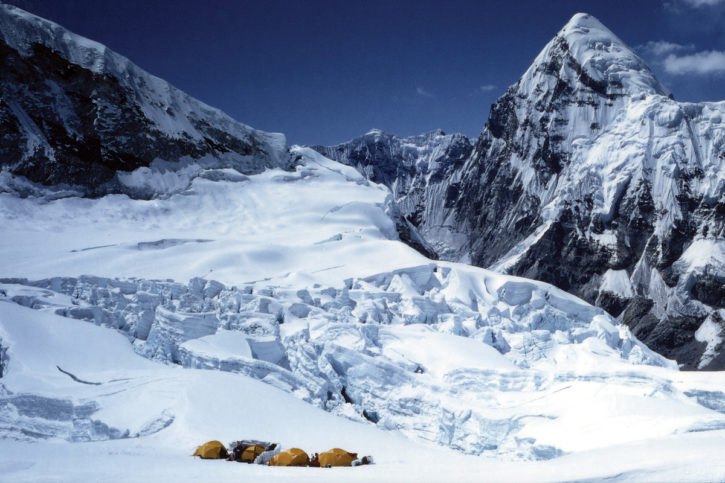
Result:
[{"x": 135, "y": 119}]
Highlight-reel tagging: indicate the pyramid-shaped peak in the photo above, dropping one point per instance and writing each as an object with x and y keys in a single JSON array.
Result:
[
  {"x": 585, "y": 49},
  {"x": 585, "y": 32}
]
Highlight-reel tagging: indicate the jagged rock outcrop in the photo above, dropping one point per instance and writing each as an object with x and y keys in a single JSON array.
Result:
[
  {"x": 74, "y": 113},
  {"x": 588, "y": 175}
]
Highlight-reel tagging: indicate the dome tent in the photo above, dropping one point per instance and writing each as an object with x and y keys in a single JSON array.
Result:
[
  {"x": 211, "y": 450},
  {"x": 336, "y": 457},
  {"x": 290, "y": 457},
  {"x": 250, "y": 453},
  {"x": 247, "y": 450}
]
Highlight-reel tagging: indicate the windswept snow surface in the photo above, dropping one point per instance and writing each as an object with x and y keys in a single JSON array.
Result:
[
  {"x": 320, "y": 224},
  {"x": 281, "y": 306}
]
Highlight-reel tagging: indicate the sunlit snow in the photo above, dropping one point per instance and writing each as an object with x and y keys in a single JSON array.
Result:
[{"x": 277, "y": 291}]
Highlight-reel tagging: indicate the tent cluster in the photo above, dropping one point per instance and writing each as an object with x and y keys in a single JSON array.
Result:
[{"x": 264, "y": 453}]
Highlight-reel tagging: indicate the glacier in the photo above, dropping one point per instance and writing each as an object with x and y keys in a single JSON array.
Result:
[
  {"x": 438, "y": 352},
  {"x": 200, "y": 297}
]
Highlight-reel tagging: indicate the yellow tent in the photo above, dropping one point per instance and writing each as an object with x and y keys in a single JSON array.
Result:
[
  {"x": 336, "y": 457},
  {"x": 251, "y": 452},
  {"x": 290, "y": 457},
  {"x": 211, "y": 450}
]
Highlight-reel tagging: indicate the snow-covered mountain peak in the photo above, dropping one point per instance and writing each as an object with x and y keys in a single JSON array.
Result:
[
  {"x": 587, "y": 175},
  {"x": 583, "y": 20},
  {"x": 376, "y": 132},
  {"x": 586, "y": 53},
  {"x": 582, "y": 82}
]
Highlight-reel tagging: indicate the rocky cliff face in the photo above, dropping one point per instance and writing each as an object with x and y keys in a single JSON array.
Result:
[
  {"x": 421, "y": 172},
  {"x": 588, "y": 175},
  {"x": 74, "y": 113}
]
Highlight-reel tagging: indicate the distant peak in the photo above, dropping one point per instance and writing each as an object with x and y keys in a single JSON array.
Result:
[{"x": 594, "y": 50}]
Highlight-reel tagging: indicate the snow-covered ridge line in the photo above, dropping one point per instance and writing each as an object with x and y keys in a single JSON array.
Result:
[
  {"x": 20, "y": 30},
  {"x": 106, "y": 115}
]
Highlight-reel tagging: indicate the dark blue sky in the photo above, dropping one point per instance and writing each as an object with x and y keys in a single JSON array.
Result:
[{"x": 324, "y": 72}]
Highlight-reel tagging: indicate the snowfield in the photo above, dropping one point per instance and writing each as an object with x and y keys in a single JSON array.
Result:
[
  {"x": 264, "y": 293},
  {"x": 281, "y": 306}
]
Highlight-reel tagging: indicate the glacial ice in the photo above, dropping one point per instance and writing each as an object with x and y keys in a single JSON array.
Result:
[{"x": 399, "y": 348}]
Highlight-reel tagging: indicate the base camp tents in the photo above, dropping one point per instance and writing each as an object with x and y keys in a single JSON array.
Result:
[{"x": 250, "y": 453}]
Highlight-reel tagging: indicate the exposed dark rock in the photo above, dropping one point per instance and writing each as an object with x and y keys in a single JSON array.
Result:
[
  {"x": 3, "y": 358},
  {"x": 709, "y": 291},
  {"x": 611, "y": 302},
  {"x": 63, "y": 124},
  {"x": 371, "y": 416}
]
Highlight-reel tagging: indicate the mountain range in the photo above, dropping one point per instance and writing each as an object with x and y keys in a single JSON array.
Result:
[
  {"x": 587, "y": 175},
  {"x": 170, "y": 276}
]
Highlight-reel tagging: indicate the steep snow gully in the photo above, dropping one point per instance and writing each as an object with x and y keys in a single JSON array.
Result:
[{"x": 159, "y": 259}]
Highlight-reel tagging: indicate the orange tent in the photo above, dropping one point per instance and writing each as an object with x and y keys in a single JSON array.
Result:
[
  {"x": 336, "y": 457},
  {"x": 290, "y": 457},
  {"x": 251, "y": 452},
  {"x": 211, "y": 450}
]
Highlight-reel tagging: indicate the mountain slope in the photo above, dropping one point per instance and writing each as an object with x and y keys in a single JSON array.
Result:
[
  {"x": 73, "y": 112},
  {"x": 419, "y": 171},
  {"x": 281, "y": 305},
  {"x": 588, "y": 175}
]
